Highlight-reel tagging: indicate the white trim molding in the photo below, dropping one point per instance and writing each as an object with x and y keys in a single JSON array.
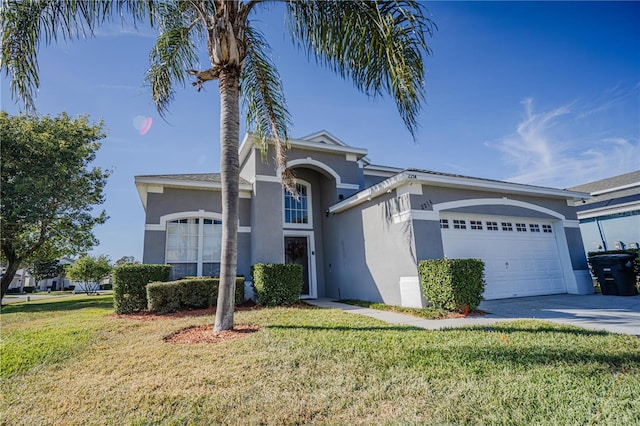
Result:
[
  {"x": 434, "y": 215},
  {"x": 267, "y": 178},
  {"x": 409, "y": 188},
  {"x": 609, "y": 210},
  {"x": 200, "y": 214},
  {"x": 319, "y": 164},
  {"x": 493, "y": 202}
]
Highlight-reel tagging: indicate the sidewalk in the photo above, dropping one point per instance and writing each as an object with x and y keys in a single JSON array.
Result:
[
  {"x": 402, "y": 319},
  {"x": 615, "y": 314},
  {"x": 41, "y": 295}
]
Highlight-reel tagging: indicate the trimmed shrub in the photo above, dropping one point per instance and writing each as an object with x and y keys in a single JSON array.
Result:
[
  {"x": 452, "y": 284},
  {"x": 189, "y": 293},
  {"x": 276, "y": 283},
  {"x": 130, "y": 282}
]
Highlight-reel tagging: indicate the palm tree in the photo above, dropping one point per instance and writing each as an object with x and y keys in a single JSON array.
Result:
[{"x": 378, "y": 45}]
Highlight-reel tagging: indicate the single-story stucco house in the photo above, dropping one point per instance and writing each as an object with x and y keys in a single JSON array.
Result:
[
  {"x": 610, "y": 219},
  {"x": 359, "y": 229}
]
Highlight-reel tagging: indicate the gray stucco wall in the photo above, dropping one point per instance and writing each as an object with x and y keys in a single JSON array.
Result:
[
  {"x": 267, "y": 244},
  {"x": 154, "y": 247},
  {"x": 428, "y": 239},
  {"x": 174, "y": 200},
  {"x": 370, "y": 180},
  {"x": 576, "y": 248},
  {"x": 366, "y": 253}
]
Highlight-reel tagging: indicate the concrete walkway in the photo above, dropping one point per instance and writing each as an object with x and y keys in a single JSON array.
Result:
[{"x": 615, "y": 314}]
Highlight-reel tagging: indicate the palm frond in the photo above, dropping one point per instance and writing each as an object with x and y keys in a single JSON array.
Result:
[
  {"x": 263, "y": 96},
  {"x": 26, "y": 24},
  {"x": 378, "y": 45},
  {"x": 174, "y": 51}
]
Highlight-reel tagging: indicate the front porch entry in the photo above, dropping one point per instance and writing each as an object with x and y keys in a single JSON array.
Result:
[{"x": 299, "y": 247}]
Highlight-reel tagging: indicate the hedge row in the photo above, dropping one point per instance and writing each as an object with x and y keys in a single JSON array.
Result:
[
  {"x": 188, "y": 293},
  {"x": 277, "y": 284},
  {"x": 130, "y": 282},
  {"x": 452, "y": 284}
]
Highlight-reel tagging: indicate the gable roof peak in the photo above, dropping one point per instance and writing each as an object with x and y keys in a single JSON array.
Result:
[{"x": 324, "y": 136}]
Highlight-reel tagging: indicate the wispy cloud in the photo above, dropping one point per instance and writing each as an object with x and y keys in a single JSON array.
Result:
[
  {"x": 611, "y": 98},
  {"x": 567, "y": 146}
]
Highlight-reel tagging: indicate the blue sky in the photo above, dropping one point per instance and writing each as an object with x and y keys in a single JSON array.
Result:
[{"x": 540, "y": 93}]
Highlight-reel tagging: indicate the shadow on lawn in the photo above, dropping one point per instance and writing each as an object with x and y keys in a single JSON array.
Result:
[{"x": 50, "y": 305}]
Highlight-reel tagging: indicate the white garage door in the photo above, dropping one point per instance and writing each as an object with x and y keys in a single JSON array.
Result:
[{"x": 520, "y": 255}]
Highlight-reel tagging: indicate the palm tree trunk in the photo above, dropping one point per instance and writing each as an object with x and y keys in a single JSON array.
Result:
[{"x": 230, "y": 178}]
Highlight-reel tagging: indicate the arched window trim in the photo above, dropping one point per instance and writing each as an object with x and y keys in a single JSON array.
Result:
[{"x": 308, "y": 225}]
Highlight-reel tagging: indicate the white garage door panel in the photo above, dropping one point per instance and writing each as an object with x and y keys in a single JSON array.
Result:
[{"x": 516, "y": 263}]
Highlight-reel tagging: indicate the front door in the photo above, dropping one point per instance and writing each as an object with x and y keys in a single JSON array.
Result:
[{"x": 298, "y": 249}]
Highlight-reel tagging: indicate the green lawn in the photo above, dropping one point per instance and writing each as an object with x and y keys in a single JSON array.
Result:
[{"x": 68, "y": 361}]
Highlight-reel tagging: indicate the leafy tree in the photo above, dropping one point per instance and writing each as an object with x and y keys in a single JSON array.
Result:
[
  {"x": 90, "y": 271},
  {"x": 126, "y": 260},
  {"x": 44, "y": 269},
  {"x": 378, "y": 45},
  {"x": 49, "y": 188}
]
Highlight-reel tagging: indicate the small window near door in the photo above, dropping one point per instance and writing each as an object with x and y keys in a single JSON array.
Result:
[
  {"x": 507, "y": 226},
  {"x": 521, "y": 227},
  {"x": 444, "y": 224},
  {"x": 534, "y": 227},
  {"x": 546, "y": 229},
  {"x": 476, "y": 224}
]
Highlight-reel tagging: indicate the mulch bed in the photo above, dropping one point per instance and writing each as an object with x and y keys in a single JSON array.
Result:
[
  {"x": 204, "y": 333},
  {"x": 151, "y": 316}
]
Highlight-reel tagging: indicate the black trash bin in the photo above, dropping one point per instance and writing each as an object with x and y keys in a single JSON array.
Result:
[{"x": 615, "y": 274}]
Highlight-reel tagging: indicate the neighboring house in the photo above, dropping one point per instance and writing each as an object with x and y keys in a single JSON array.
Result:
[
  {"x": 610, "y": 219},
  {"x": 60, "y": 282},
  {"x": 359, "y": 229},
  {"x": 24, "y": 279},
  {"x": 20, "y": 280}
]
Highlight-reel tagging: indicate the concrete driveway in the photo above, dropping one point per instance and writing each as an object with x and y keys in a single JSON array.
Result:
[{"x": 616, "y": 314}]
